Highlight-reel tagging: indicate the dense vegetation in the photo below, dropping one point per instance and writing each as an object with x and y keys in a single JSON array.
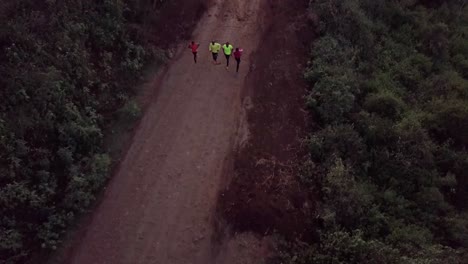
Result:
[
  {"x": 389, "y": 157},
  {"x": 66, "y": 67}
]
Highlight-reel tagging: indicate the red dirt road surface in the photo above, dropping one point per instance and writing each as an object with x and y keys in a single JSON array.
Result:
[{"x": 160, "y": 205}]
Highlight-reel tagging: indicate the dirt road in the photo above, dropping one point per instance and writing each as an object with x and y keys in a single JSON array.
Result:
[{"x": 159, "y": 207}]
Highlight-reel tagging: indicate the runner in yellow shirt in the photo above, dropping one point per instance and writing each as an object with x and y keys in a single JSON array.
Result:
[
  {"x": 215, "y": 47},
  {"x": 227, "y": 49}
]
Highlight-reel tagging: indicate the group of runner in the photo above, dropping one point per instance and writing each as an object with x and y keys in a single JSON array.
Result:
[{"x": 215, "y": 48}]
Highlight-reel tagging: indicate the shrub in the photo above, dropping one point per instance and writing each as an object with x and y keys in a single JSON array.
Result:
[
  {"x": 460, "y": 63},
  {"x": 385, "y": 104},
  {"x": 130, "y": 111},
  {"x": 347, "y": 201},
  {"x": 449, "y": 121},
  {"x": 344, "y": 247},
  {"x": 332, "y": 99},
  {"x": 459, "y": 43},
  {"x": 331, "y": 56},
  {"x": 336, "y": 141},
  {"x": 374, "y": 129},
  {"x": 447, "y": 85},
  {"x": 437, "y": 42},
  {"x": 412, "y": 71}
]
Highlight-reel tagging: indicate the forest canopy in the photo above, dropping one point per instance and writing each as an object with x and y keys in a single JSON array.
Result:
[
  {"x": 389, "y": 90},
  {"x": 67, "y": 66}
]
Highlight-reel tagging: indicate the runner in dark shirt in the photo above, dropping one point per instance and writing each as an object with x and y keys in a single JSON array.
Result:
[
  {"x": 194, "y": 46},
  {"x": 237, "y": 56}
]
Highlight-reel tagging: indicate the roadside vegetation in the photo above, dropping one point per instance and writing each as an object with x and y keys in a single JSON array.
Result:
[
  {"x": 388, "y": 157},
  {"x": 68, "y": 68}
]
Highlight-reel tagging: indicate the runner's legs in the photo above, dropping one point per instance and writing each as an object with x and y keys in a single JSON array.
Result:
[
  {"x": 238, "y": 62},
  {"x": 227, "y": 59}
]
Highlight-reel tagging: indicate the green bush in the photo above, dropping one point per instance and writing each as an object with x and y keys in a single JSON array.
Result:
[
  {"x": 459, "y": 44},
  {"x": 447, "y": 85},
  {"x": 332, "y": 99},
  {"x": 460, "y": 63},
  {"x": 449, "y": 121},
  {"x": 336, "y": 141},
  {"x": 384, "y": 104},
  {"x": 437, "y": 42},
  {"x": 331, "y": 56},
  {"x": 375, "y": 130},
  {"x": 130, "y": 111},
  {"x": 341, "y": 247},
  {"x": 347, "y": 200},
  {"x": 412, "y": 71}
]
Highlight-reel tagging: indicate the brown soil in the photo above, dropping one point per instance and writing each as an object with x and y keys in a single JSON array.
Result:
[
  {"x": 264, "y": 195},
  {"x": 167, "y": 22}
]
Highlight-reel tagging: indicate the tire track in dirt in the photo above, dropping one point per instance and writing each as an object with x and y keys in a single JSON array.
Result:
[{"x": 160, "y": 205}]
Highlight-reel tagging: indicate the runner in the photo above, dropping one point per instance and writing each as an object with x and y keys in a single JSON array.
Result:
[
  {"x": 227, "y": 49},
  {"x": 194, "y": 46},
  {"x": 237, "y": 56},
  {"x": 215, "y": 47}
]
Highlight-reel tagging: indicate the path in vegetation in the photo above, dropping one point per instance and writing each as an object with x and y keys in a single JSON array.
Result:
[{"x": 160, "y": 205}]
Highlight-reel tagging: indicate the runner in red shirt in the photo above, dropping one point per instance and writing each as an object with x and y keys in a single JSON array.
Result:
[
  {"x": 237, "y": 56},
  {"x": 194, "y": 46}
]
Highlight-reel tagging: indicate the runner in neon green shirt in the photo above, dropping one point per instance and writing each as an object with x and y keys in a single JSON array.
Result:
[
  {"x": 227, "y": 49},
  {"x": 215, "y": 48}
]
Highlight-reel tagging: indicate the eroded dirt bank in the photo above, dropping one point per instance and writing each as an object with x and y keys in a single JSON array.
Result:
[{"x": 265, "y": 195}]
